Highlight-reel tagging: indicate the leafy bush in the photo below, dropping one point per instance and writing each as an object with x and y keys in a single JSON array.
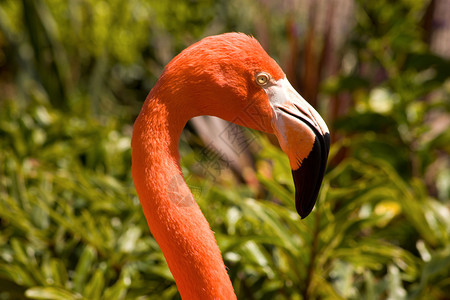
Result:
[
  {"x": 71, "y": 223},
  {"x": 72, "y": 226}
]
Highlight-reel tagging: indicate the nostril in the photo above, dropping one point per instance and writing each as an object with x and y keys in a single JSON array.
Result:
[
  {"x": 307, "y": 112},
  {"x": 301, "y": 109}
]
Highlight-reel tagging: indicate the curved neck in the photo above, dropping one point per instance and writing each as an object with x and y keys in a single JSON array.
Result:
[{"x": 172, "y": 214}]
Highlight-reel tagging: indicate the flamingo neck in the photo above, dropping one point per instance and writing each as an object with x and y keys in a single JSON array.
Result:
[{"x": 172, "y": 214}]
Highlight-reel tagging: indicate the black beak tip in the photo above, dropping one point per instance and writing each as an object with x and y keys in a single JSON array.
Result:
[
  {"x": 305, "y": 192},
  {"x": 327, "y": 142},
  {"x": 308, "y": 178}
]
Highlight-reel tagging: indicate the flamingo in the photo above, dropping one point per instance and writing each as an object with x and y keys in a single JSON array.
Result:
[{"x": 229, "y": 76}]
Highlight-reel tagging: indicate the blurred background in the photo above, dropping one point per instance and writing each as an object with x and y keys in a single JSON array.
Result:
[{"x": 74, "y": 75}]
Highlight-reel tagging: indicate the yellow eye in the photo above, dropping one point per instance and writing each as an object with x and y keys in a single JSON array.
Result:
[{"x": 262, "y": 79}]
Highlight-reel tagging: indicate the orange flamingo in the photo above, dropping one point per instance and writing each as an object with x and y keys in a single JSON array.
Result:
[{"x": 229, "y": 76}]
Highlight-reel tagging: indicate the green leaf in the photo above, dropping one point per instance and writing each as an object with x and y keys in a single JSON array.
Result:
[
  {"x": 94, "y": 288},
  {"x": 84, "y": 268},
  {"x": 395, "y": 288},
  {"x": 51, "y": 293},
  {"x": 59, "y": 271}
]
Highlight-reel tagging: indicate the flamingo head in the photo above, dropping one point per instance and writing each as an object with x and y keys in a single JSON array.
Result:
[{"x": 231, "y": 76}]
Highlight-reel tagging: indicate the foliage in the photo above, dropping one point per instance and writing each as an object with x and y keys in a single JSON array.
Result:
[
  {"x": 71, "y": 223},
  {"x": 73, "y": 228}
]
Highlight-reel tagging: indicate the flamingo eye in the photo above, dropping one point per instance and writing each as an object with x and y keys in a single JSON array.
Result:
[{"x": 262, "y": 79}]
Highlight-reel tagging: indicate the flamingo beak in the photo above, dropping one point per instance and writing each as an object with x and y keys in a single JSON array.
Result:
[{"x": 304, "y": 137}]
